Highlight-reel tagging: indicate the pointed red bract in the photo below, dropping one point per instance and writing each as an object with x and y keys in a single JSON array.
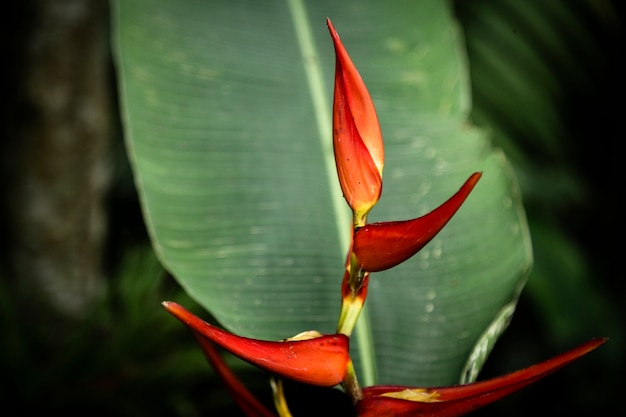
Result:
[
  {"x": 459, "y": 400},
  {"x": 380, "y": 246},
  {"x": 320, "y": 361},
  {"x": 357, "y": 139}
]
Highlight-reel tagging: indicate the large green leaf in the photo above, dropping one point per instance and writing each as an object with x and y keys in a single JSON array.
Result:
[{"x": 227, "y": 109}]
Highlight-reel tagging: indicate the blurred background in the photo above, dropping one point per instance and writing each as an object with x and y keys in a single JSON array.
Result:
[{"x": 81, "y": 327}]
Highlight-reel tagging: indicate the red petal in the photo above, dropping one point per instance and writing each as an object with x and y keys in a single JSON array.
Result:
[
  {"x": 320, "y": 361},
  {"x": 461, "y": 399},
  {"x": 358, "y": 100},
  {"x": 380, "y": 246},
  {"x": 361, "y": 182},
  {"x": 357, "y": 139}
]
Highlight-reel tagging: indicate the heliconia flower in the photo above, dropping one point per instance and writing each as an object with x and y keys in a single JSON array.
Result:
[
  {"x": 380, "y": 246},
  {"x": 396, "y": 401},
  {"x": 357, "y": 138},
  {"x": 312, "y": 359}
]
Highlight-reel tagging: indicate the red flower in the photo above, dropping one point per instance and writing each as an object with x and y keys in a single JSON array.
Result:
[
  {"x": 380, "y": 246},
  {"x": 324, "y": 361},
  {"x": 357, "y": 139},
  {"x": 321, "y": 360},
  {"x": 388, "y": 401}
]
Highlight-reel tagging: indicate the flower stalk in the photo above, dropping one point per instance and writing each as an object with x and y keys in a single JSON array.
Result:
[{"x": 353, "y": 295}]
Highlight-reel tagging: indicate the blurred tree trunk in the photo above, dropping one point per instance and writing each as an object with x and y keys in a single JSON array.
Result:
[{"x": 56, "y": 151}]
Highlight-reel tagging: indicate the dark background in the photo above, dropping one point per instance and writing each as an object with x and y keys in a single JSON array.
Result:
[{"x": 79, "y": 284}]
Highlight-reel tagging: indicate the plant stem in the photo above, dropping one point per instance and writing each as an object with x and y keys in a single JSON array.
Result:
[
  {"x": 279, "y": 397},
  {"x": 351, "y": 385}
]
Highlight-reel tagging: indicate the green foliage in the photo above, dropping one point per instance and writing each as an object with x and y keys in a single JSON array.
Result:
[
  {"x": 540, "y": 72},
  {"x": 543, "y": 75},
  {"x": 106, "y": 360},
  {"x": 227, "y": 111}
]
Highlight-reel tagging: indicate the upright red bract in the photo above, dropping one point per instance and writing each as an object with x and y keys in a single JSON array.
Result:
[{"x": 357, "y": 139}]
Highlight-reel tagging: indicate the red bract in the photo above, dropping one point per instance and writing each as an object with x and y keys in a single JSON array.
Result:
[
  {"x": 357, "y": 139},
  {"x": 320, "y": 361},
  {"x": 458, "y": 400},
  {"x": 380, "y": 246}
]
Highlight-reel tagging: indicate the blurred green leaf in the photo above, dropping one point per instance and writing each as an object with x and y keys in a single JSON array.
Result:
[
  {"x": 227, "y": 116},
  {"x": 544, "y": 77}
]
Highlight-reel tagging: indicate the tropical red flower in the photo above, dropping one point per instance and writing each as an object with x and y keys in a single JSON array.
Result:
[
  {"x": 325, "y": 361},
  {"x": 374, "y": 401},
  {"x": 357, "y": 138},
  {"x": 380, "y": 246},
  {"x": 453, "y": 401},
  {"x": 320, "y": 360}
]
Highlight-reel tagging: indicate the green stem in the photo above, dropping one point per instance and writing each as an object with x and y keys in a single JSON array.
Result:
[
  {"x": 365, "y": 342},
  {"x": 351, "y": 385}
]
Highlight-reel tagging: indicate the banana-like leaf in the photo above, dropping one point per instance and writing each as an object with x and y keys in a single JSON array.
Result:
[{"x": 227, "y": 112}]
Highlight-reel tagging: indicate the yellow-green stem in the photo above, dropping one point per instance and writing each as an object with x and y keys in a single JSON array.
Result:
[
  {"x": 357, "y": 276},
  {"x": 350, "y": 310},
  {"x": 351, "y": 385},
  {"x": 354, "y": 291},
  {"x": 279, "y": 397}
]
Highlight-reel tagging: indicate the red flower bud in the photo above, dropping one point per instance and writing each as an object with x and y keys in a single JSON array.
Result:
[
  {"x": 357, "y": 139},
  {"x": 320, "y": 361},
  {"x": 387, "y": 401},
  {"x": 380, "y": 246}
]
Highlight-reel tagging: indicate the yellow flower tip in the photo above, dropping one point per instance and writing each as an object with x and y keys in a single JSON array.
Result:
[
  {"x": 421, "y": 395},
  {"x": 307, "y": 335}
]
